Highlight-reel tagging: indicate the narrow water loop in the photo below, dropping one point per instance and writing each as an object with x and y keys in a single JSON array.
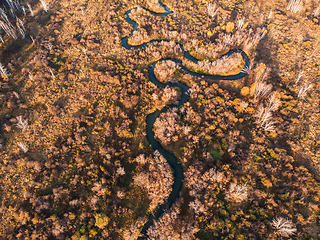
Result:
[{"x": 151, "y": 118}]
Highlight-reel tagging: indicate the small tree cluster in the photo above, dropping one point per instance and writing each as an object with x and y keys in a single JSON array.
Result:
[
  {"x": 303, "y": 86},
  {"x": 133, "y": 231},
  {"x": 156, "y": 178},
  {"x": 240, "y": 38},
  {"x": 237, "y": 192},
  {"x": 7, "y": 26},
  {"x": 269, "y": 102},
  {"x": 164, "y": 70},
  {"x": 171, "y": 227},
  {"x": 167, "y": 128},
  {"x": 154, "y": 6},
  {"x": 221, "y": 66}
]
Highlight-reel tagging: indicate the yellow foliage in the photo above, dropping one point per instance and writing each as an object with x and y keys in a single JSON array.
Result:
[
  {"x": 245, "y": 91},
  {"x": 236, "y": 101},
  {"x": 273, "y": 134},
  {"x": 4, "y": 77},
  {"x": 230, "y": 27},
  {"x": 76, "y": 236},
  {"x": 260, "y": 70},
  {"x": 101, "y": 221},
  {"x": 72, "y": 216},
  {"x": 212, "y": 127},
  {"x": 126, "y": 134},
  {"x": 270, "y": 25},
  {"x": 35, "y": 220},
  {"x": 266, "y": 182},
  {"x": 208, "y": 137},
  {"x": 250, "y": 109},
  {"x": 92, "y": 233},
  {"x": 253, "y": 88},
  {"x": 307, "y": 44},
  {"x": 141, "y": 146},
  {"x": 209, "y": 33}
]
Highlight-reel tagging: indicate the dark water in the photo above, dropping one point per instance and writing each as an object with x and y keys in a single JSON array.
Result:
[{"x": 171, "y": 159}]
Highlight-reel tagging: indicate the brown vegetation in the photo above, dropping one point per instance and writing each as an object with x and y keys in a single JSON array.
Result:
[{"x": 75, "y": 162}]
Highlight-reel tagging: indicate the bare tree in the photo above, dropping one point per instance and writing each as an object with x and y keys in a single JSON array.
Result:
[
  {"x": 52, "y": 75},
  {"x": 8, "y": 28},
  {"x": 284, "y": 226},
  {"x": 23, "y": 147},
  {"x": 21, "y": 28},
  {"x": 30, "y": 9},
  {"x": 264, "y": 117},
  {"x": 273, "y": 102},
  {"x": 317, "y": 11},
  {"x": 248, "y": 68},
  {"x": 295, "y": 6},
  {"x": 237, "y": 193},
  {"x": 45, "y": 5},
  {"x": 212, "y": 9},
  {"x": 262, "y": 89},
  {"x": 30, "y": 76},
  {"x": 3, "y": 70},
  {"x": 299, "y": 77},
  {"x": 23, "y": 124},
  {"x": 303, "y": 90}
]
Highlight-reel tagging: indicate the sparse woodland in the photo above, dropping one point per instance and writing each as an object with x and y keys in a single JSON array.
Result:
[{"x": 75, "y": 162}]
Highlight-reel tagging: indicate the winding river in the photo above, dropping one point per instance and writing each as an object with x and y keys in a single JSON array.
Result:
[{"x": 172, "y": 160}]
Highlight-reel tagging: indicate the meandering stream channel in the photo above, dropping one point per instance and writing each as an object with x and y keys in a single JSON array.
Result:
[{"x": 172, "y": 160}]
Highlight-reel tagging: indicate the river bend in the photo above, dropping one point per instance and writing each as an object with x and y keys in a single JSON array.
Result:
[{"x": 151, "y": 118}]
